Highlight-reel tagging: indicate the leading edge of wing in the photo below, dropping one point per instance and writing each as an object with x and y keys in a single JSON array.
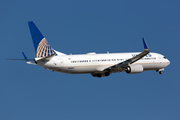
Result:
[{"x": 133, "y": 59}]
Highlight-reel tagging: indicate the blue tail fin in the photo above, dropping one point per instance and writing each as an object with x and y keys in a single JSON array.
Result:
[{"x": 41, "y": 46}]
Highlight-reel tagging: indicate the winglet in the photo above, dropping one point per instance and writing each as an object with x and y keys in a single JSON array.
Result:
[{"x": 145, "y": 45}]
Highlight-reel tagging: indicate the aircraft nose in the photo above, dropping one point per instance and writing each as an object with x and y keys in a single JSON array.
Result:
[{"x": 168, "y": 62}]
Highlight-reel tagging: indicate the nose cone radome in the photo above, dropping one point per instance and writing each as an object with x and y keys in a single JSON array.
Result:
[{"x": 167, "y": 62}]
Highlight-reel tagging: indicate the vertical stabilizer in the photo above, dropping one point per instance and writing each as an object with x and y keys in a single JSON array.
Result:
[{"x": 41, "y": 46}]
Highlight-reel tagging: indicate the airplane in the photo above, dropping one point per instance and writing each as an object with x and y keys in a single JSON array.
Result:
[{"x": 98, "y": 65}]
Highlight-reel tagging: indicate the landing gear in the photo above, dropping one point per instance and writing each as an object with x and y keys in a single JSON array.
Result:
[
  {"x": 160, "y": 72},
  {"x": 99, "y": 75},
  {"x": 107, "y": 73}
]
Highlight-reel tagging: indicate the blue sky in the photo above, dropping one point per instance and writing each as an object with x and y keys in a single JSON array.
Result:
[{"x": 30, "y": 92}]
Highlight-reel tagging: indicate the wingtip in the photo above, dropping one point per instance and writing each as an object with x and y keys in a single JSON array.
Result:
[{"x": 145, "y": 45}]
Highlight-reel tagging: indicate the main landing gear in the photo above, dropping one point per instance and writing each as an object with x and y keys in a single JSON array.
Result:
[{"x": 99, "y": 75}]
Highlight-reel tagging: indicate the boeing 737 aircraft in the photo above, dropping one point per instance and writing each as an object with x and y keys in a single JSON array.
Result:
[{"x": 98, "y": 65}]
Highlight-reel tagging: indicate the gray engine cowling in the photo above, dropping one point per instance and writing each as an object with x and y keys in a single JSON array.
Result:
[{"x": 133, "y": 69}]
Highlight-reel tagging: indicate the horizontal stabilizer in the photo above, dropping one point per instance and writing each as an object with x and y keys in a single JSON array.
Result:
[
  {"x": 25, "y": 57},
  {"x": 21, "y": 59},
  {"x": 28, "y": 61}
]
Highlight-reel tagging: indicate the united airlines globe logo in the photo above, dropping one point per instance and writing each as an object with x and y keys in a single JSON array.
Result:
[{"x": 44, "y": 49}]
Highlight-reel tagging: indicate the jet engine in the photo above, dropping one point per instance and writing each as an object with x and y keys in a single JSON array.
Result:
[{"x": 133, "y": 69}]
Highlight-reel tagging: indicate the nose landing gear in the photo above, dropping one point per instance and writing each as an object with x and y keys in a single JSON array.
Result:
[{"x": 160, "y": 71}]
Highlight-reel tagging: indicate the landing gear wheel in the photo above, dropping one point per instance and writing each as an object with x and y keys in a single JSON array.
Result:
[
  {"x": 99, "y": 75},
  {"x": 160, "y": 72},
  {"x": 107, "y": 74}
]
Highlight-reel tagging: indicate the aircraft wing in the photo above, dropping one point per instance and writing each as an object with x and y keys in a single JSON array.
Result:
[{"x": 126, "y": 63}]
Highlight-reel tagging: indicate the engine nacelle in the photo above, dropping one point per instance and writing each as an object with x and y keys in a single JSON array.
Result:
[{"x": 133, "y": 69}]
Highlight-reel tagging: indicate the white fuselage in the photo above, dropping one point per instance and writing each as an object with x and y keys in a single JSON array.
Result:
[{"x": 93, "y": 63}]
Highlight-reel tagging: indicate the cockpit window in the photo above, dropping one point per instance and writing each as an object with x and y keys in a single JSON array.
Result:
[{"x": 164, "y": 57}]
